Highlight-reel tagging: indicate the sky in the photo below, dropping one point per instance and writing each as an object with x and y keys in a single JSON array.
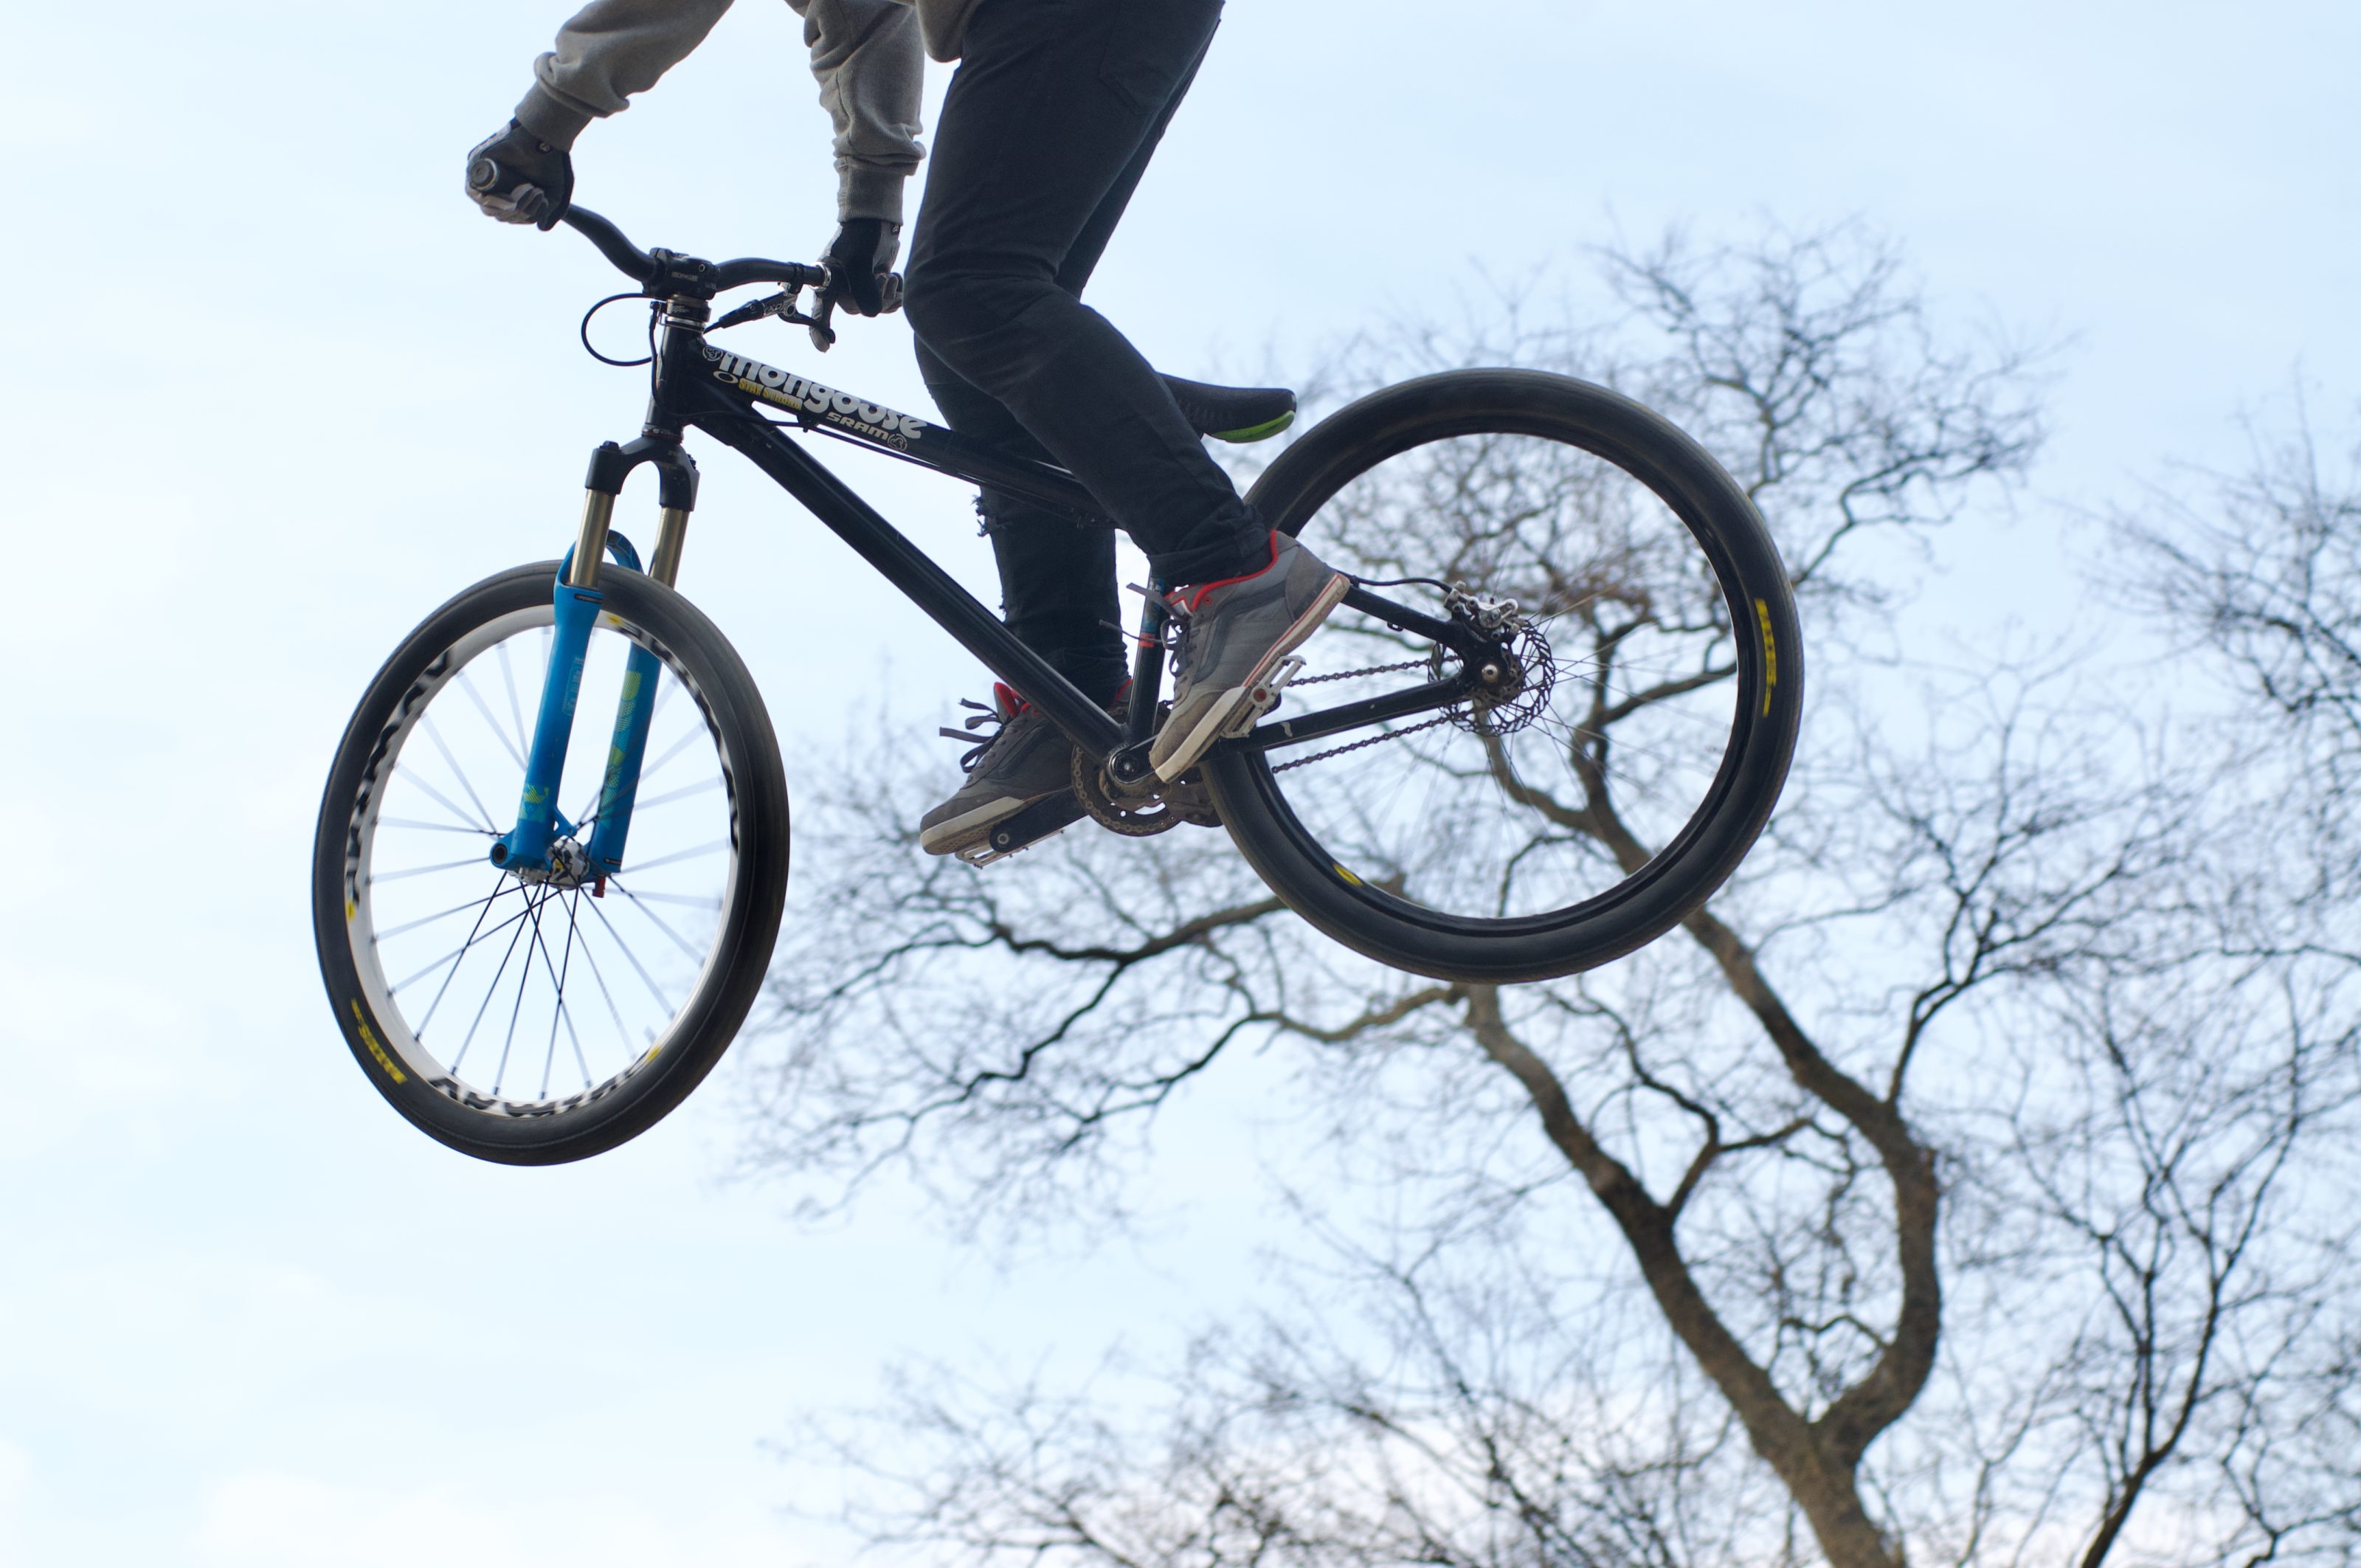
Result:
[{"x": 277, "y": 391}]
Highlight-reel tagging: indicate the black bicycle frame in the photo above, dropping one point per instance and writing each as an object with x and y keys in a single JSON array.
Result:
[
  {"x": 748, "y": 405},
  {"x": 740, "y": 401}
]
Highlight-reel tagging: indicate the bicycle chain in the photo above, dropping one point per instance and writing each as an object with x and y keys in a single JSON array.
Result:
[
  {"x": 1374, "y": 740},
  {"x": 1372, "y": 670}
]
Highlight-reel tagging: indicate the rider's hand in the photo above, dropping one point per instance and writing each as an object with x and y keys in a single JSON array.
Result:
[
  {"x": 858, "y": 259},
  {"x": 518, "y": 178}
]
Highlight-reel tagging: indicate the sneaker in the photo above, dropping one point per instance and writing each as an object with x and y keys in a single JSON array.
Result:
[
  {"x": 1026, "y": 759},
  {"x": 1233, "y": 634}
]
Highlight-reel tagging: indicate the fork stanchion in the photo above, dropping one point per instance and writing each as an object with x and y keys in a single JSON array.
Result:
[
  {"x": 591, "y": 544},
  {"x": 672, "y": 532}
]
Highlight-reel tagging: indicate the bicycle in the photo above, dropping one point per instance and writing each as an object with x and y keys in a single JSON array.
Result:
[{"x": 1470, "y": 803}]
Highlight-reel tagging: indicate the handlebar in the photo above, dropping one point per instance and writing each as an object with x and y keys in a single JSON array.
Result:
[
  {"x": 628, "y": 259},
  {"x": 663, "y": 272}
]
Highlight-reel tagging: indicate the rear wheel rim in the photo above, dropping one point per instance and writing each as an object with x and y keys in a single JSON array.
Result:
[{"x": 1373, "y": 849}]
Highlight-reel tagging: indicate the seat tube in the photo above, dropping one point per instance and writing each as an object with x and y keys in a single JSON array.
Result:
[{"x": 1147, "y": 667}]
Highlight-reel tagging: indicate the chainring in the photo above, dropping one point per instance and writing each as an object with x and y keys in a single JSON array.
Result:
[{"x": 1183, "y": 800}]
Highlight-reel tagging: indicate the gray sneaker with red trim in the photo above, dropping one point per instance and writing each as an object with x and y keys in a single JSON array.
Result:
[
  {"x": 1026, "y": 759},
  {"x": 1234, "y": 633}
]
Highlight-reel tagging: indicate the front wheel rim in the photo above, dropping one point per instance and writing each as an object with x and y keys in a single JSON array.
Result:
[{"x": 595, "y": 990}]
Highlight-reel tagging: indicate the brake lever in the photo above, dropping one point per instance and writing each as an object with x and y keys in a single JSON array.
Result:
[
  {"x": 786, "y": 306},
  {"x": 823, "y": 333},
  {"x": 780, "y": 304}
]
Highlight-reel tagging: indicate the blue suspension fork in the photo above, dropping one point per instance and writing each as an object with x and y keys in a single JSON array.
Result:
[
  {"x": 634, "y": 711},
  {"x": 576, "y": 603}
]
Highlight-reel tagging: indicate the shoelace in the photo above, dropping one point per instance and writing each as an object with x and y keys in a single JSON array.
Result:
[
  {"x": 985, "y": 713},
  {"x": 1175, "y": 640}
]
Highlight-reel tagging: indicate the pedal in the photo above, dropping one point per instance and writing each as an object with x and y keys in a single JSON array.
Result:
[
  {"x": 1265, "y": 696},
  {"x": 1042, "y": 819}
]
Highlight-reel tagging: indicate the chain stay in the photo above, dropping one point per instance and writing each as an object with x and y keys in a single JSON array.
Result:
[{"x": 1493, "y": 616}]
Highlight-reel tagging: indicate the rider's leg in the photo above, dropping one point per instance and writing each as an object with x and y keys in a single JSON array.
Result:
[
  {"x": 1045, "y": 132},
  {"x": 1046, "y": 127},
  {"x": 1058, "y": 586},
  {"x": 1056, "y": 575},
  {"x": 1057, "y": 594}
]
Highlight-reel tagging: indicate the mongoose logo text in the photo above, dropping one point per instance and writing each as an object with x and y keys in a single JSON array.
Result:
[{"x": 789, "y": 390}]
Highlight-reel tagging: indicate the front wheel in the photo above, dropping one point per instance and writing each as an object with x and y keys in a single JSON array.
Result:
[
  {"x": 1640, "y": 696},
  {"x": 542, "y": 1017}
]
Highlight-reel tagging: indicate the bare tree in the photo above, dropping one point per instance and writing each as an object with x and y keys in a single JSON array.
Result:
[
  {"x": 2262, "y": 570},
  {"x": 1970, "y": 1027}
]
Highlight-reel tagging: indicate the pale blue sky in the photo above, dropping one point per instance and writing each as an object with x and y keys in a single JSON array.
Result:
[{"x": 276, "y": 391}]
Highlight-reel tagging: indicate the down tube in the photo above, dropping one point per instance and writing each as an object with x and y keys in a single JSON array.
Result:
[{"x": 925, "y": 584}]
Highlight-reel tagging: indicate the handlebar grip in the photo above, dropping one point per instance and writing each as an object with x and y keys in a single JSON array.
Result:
[
  {"x": 763, "y": 269},
  {"x": 483, "y": 175}
]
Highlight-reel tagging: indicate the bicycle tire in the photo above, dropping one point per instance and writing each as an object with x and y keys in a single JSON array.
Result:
[
  {"x": 362, "y": 921},
  {"x": 1590, "y": 442}
]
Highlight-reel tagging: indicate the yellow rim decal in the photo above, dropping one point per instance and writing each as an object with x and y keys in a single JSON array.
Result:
[
  {"x": 1769, "y": 654},
  {"x": 1348, "y": 876},
  {"x": 375, "y": 1049}
]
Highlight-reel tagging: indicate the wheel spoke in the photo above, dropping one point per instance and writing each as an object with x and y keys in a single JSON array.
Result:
[
  {"x": 377, "y": 877},
  {"x": 564, "y": 1014},
  {"x": 683, "y": 792},
  {"x": 426, "y": 722},
  {"x": 679, "y": 898},
  {"x": 623, "y": 1031},
  {"x": 675, "y": 749},
  {"x": 633, "y": 959},
  {"x": 467, "y": 684},
  {"x": 407, "y": 926},
  {"x": 680, "y": 855},
  {"x": 523, "y": 922},
  {"x": 445, "y": 801},
  {"x": 525, "y": 977},
  {"x": 651, "y": 917},
  {"x": 434, "y": 827},
  {"x": 516, "y": 710},
  {"x": 460, "y": 951}
]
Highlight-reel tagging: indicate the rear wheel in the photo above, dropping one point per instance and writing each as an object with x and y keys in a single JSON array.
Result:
[
  {"x": 536, "y": 1018},
  {"x": 1648, "y": 681}
]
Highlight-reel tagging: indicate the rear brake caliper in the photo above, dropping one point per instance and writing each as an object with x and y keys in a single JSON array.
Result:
[{"x": 1514, "y": 674}]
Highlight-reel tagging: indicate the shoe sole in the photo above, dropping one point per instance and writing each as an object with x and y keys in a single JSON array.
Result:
[
  {"x": 1234, "y": 711},
  {"x": 970, "y": 829}
]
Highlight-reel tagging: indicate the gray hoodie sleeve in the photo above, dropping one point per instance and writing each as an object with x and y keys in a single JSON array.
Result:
[
  {"x": 872, "y": 69},
  {"x": 866, "y": 53}
]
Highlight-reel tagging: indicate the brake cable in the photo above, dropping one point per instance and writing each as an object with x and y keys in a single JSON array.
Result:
[{"x": 620, "y": 364}]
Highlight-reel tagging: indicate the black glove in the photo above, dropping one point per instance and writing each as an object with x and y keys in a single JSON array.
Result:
[
  {"x": 518, "y": 178},
  {"x": 858, "y": 259}
]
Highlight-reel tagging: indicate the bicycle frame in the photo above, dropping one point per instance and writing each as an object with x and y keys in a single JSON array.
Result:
[{"x": 700, "y": 386}]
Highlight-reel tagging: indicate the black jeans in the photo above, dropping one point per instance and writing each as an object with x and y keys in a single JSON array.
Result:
[{"x": 1047, "y": 129}]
